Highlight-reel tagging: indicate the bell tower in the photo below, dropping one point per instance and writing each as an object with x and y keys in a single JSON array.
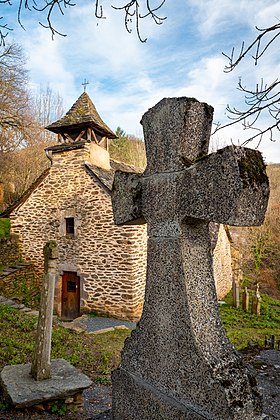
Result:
[{"x": 82, "y": 123}]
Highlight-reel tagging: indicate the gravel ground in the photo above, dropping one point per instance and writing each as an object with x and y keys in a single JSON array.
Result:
[
  {"x": 98, "y": 398},
  {"x": 268, "y": 377}
]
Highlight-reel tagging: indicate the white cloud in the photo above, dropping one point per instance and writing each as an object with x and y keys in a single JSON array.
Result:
[
  {"x": 214, "y": 16},
  {"x": 182, "y": 57}
]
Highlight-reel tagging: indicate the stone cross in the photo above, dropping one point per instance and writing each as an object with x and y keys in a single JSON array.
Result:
[
  {"x": 178, "y": 362},
  {"x": 41, "y": 364}
]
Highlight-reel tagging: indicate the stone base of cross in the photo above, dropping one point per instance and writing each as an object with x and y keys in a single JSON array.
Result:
[
  {"x": 178, "y": 363},
  {"x": 44, "y": 380}
]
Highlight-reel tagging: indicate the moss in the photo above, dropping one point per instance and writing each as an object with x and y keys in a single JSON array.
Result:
[{"x": 252, "y": 169}]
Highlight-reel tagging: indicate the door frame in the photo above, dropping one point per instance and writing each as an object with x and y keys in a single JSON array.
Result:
[{"x": 64, "y": 279}]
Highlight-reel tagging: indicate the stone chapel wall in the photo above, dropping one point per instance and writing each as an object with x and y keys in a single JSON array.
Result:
[
  {"x": 222, "y": 264},
  {"x": 110, "y": 260}
]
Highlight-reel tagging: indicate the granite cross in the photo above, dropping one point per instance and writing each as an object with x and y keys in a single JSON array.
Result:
[{"x": 178, "y": 362}]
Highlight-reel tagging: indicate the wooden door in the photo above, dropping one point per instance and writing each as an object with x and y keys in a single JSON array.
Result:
[{"x": 70, "y": 296}]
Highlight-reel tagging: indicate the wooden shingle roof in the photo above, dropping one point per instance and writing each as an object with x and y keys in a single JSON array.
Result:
[{"x": 81, "y": 115}]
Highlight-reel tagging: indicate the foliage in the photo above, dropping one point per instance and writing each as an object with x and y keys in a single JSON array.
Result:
[
  {"x": 247, "y": 330},
  {"x": 260, "y": 246},
  {"x": 27, "y": 292},
  {"x": 128, "y": 149},
  {"x": 23, "y": 157},
  {"x": 59, "y": 407},
  {"x": 98, "y": 355},
  {"x": 5, "y": 228},
  {"x": 95, "y": 355},
  {"x": 15, "y": 121}
]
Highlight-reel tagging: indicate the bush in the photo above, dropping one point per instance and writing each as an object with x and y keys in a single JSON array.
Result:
[{"x": 5, "y": 228}]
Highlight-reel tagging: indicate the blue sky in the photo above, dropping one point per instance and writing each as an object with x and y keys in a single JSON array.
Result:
[{"x": 182, "y": 57}]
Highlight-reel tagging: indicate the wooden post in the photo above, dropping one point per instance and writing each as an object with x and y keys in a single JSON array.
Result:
[
  {"x": 41, "y": 364},
  {"x": 245, "y": 300},
  {"x": 256, "y": 302},
  {"x": 235, "y": 294},
  {"x": 236, "y": 276}
]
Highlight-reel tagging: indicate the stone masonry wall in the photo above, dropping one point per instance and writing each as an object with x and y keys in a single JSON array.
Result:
[
  {"x": 110, "y": 260},
  {"x": 19, "y": 283},
  {"x": 9, "y": 250},
  {"x": 222, "y": 264}
]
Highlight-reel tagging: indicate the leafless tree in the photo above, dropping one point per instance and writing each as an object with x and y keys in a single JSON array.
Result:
[
  {"x": 264, "y": 99},
  {"x": 47, "y": 108},
  {"x": 22, "y": 121},
  {"x": 15, "y": 116},
  {"x": 134, "y": 11}
]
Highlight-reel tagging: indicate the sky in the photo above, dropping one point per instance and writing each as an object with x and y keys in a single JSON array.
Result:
[{"x": 182, "y": 57}]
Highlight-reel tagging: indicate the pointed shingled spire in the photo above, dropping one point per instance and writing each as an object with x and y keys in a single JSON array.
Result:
[{"x": 83, "y": 114}]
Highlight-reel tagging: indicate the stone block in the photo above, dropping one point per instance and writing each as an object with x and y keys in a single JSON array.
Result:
[
  {"x": 22, "y": 390},
  {"x": 128, "y": 190},
  {"x": 176, "y": 133},
  {"x": 229, "y": 187}
]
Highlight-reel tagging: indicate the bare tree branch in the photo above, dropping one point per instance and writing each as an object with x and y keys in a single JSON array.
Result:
[
  {"x": 257, "y": 44},
  {"x": 263, "y": 98},
  {"x": 262, "y": 101},
  {"x": 133, "y": 10}
]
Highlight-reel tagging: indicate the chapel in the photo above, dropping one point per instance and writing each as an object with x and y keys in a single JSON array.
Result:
[{"x": 101, "y": 266}]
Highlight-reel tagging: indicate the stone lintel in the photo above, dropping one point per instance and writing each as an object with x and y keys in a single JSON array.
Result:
[{"x": 23, "y": 391}]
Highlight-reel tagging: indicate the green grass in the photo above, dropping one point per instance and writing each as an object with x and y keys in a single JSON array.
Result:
[
  {"x": 98, "y": 355},
  {"x": 4, "y": 228},
  {"x": 95, "y": 355},
  {"x": 246, "y": 330}
]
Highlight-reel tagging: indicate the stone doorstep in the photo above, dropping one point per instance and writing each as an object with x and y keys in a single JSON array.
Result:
[
  {"x": 22, "y": 390},
  {"x": 105, "y": 330}
]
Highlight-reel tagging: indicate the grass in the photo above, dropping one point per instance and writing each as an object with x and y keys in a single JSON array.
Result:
[
  {"x": 98, "y": 355},
  {"x": 246, "y": 330},
  {"x": 95, "y": 355},
  {"x": 4, "y": 228}
]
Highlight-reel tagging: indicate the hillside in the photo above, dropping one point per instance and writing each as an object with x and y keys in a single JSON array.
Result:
[{"x": 260, "y": 246}]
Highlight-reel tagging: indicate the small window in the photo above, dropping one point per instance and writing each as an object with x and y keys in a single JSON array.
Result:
[
  {"x": 69, "y": 225},
  {"x": 71, "y": 286}
]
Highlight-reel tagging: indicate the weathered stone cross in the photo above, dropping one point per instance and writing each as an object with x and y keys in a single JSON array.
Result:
[
  {"x": 41, "y": 364},
  {"x": 178, "y": 363}
]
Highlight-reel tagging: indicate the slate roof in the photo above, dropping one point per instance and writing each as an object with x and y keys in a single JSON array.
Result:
[
  {"x": 105, "y": 178},
  {"x": 82, "y": 114}
]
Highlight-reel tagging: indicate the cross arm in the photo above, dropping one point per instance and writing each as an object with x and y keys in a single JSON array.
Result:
[
  {"x": 229, "y": 187},
  {"x": 127, "y": 198}
]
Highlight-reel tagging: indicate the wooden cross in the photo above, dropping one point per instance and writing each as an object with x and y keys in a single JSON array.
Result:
[
  {"x": 178, "y": 363},
  {"x": 85, "y": 84}
]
